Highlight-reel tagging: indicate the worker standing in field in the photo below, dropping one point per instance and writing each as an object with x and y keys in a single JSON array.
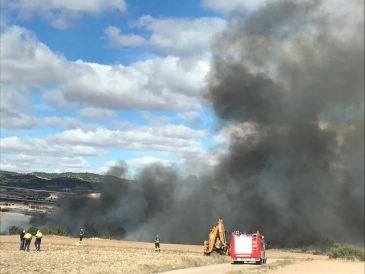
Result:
[
  {"x": 82, "y": 233},
  {"x": 28, "y": 239},
  {"x": 38, "y": 239},
  {"x": 157, "y": 243},
  {"x": 22, "y": 240}
]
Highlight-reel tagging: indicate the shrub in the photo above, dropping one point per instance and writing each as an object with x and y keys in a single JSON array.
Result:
[
  {"x": 15, "y": 230},
  {"x": 60, "y": 231},
  {"x": 4, "y": 209},
  {"x": 346, "y": 252},
  {"x": 32, "y": 230},
  {"x": 322, "y": 246}
]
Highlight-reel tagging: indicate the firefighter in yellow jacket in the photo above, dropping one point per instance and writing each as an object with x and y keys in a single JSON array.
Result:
[
  {"x": 38, "y": 239},
  {"x": 28, "y": 239}
]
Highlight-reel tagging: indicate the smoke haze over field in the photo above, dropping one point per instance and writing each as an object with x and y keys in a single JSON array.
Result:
[{"x": 292, "y": 72}]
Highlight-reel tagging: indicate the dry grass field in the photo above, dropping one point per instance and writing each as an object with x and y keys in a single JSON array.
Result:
[{"x": 66, "y": 255}]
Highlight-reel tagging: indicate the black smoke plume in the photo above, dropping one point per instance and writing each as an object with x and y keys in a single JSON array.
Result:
[{"x": 292, "y": 72}]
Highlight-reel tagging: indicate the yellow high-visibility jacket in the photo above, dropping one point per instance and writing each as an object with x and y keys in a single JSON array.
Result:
[
  {"x": 39, "y": 234},
  {"x": 28, "y": 236}
]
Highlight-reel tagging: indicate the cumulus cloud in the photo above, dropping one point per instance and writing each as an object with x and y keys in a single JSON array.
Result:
[
  {"x": 233, "y": 5},
  {"x": 190, "y": 116},
  {"x": 18, "y": 114},
  {"x": 39, "y": 146},
  {"x": 96, "y": 113},
  {"x": 181, "y": 36},
  {"x": 176, "y": 36},
  {"x": 14, "y": 113},
  {"x": 29, "y": 163},
  {"x": 168, "y": 83},
  {"x": 56, "y": 99},
  {"x": 117, "y": 39},
  {"x": 79, "y": 143},
  {"x": 175, "y": 139},
  {"x": 23, "y": 54},
  {"x": 60, "y": 13}
]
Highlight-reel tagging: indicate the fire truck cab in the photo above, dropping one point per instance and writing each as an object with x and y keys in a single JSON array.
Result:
[{"x": 247, "y": 248}]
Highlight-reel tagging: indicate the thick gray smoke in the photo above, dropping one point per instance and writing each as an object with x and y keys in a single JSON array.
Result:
[{"x": 293, "y": 73}]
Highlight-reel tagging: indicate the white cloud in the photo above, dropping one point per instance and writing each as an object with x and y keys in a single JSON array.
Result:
[
  {"x": 61, "y": 13},
  {"x": 174, "y": 139},
  {"x": 190, "y": 116},
  {"x": 180, "y": 36},
  {"x": 233, "y": 5},
  {"x": 75, "y": 144},
  {"x": 25, "y": 154},
  {"x": 30, "y": 163},
  {"x": 160, "y": 83},
  {"x": 168, "y": 83},
  {"x": 156, "y": 120},
  {"x": 45, "y": 147},
  {"x": 56, "y": 99},
  {"x": 96, "y": 113},
  {"x": 177, "y": 36},
  {"x": 16, "y": 112},
  {"x": 117, "y": 39},
  {"x": 25, "y": 60}
]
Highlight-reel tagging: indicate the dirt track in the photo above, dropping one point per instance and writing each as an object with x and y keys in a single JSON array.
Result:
[
  {"x": 280, "y": 266},
  {"x": 66, "y": 255}
]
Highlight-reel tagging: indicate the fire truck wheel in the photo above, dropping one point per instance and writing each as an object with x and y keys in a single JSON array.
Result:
[{"x": 259, "y": 262}]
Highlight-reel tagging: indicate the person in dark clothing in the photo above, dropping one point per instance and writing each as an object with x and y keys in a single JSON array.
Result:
[
  {"x": 82, "y": 233},
  {"x": 22, "y": 240},
  {"x": 157, "y": 243},
  {"x": 28, "y": 239}
]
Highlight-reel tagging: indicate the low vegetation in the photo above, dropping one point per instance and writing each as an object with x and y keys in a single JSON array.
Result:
[
  {"x": 346, "y": 252},
  {"x": 13, "y": 230},
  {"x": 59, "y": 231},
  {"x": 336, "y": 250},
  {"x": 2, "y": 209}
]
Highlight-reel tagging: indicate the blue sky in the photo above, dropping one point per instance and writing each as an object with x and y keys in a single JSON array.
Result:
[{"x": 86, "y": 84}]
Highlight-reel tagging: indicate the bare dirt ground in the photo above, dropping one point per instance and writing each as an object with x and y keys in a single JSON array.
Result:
[
  {"x": 67, "y": 255},
  {"x": 283, "y": 262}
]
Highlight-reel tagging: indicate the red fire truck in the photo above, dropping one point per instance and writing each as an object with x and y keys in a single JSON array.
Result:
[{"x": 247, "y": 248}]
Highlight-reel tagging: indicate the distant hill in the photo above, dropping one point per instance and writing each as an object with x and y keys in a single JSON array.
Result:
[
  {"x": 38, "y": 186},
  {"x": 88, "y": 177}
]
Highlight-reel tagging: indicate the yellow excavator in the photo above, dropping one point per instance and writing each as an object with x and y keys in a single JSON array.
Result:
[{"x": 216, "y": 240}]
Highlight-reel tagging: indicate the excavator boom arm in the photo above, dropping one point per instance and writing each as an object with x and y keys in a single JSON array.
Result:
[{"x": 216, "y": 239}]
